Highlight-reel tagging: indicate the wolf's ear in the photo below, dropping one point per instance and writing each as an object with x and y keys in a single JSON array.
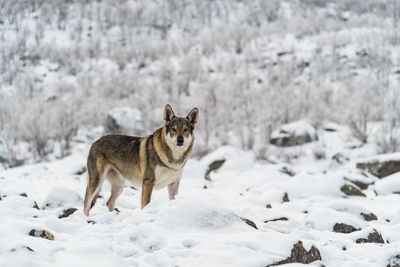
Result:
[
  {"x": 168, "y": 114},
  {"x": 193, "y": 116}
]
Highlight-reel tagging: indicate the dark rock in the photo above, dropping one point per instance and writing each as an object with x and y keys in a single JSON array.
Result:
[
  {"x": 35, "y": 205},
  {"x": 373, "y": 237},
  {"x": 250, "y": 223},
  {"x": 117, "y": 210},
  {"x": 369, "y": 216},
  {"x": 91, "y": 222},
  {"x": 358, "y": 183},
  {"x": 28, "y": 248},
  {"x": 344, "y": 228},
  {"x": 269, "y": 206},
  {"x": 380, "y": 168},
  {"x": 67, "y": 212},
  {"x": 285, "y": 197},
  {"x": 81, "y": 171},
  {"x": 350, "y": 190},
  {"x": 340, "y": 158},
  {"x": 215, "y": 165},
  {"x": 291, "y": 140},
  {"x": 394, "y": 261},
  {"x": 299, "y": 254},
  {"x": 287, "y": 171},
  {"x": 41, "y": 233},
  {"x": 277, "y": 219},
  {"x": 294, "y": 134},
  {"x": 23, "y": 195},
  {"x": 205, "y": 187}
]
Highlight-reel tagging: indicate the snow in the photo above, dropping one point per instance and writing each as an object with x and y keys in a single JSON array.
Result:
[
  {"x": 202, "y": 226},
  {"x": 127, "y": 118},
  {"x": 296, "y": 128}
]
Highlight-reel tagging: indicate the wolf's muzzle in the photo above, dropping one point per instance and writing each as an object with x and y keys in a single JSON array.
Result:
[{"x": 179, "y": 141}]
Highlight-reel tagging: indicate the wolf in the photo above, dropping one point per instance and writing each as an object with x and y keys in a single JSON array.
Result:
[{"x": 150, "y": 162}]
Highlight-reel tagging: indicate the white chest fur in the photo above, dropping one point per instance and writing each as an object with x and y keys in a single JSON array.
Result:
[{"x": 166, "y": 176}]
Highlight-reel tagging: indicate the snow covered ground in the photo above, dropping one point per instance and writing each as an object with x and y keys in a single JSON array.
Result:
[{"x": 204, "y": 226}]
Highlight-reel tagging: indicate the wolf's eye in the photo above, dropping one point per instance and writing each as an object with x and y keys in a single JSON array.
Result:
[
  {"x": 186, "y": 130},
  {"x": 173, "y": 130}
]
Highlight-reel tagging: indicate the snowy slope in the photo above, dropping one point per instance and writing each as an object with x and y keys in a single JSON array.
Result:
[{"x": 203, "y": 226}]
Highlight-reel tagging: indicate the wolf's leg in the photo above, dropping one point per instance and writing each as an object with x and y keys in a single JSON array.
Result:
[
  {"x": 173, "y": 190},
  {"x": 117, "y": 186},
  {"x": 95, "y": 181},
  {"x": 147, "y": 189}
]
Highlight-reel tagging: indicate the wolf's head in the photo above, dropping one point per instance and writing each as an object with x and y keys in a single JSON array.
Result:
[{"x": 179, "y": 130}]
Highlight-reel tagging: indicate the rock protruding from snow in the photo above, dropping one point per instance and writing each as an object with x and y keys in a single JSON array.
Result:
[
  {"x": 250, "y": 223},
  {"x": 215, "y": 165},
  {"x": 369, "y": 216},
  {"x": 41, "y": 233},
  {"x": 344, "y": 228},
  {"x": 374, "y": 237},
  {"x": 67, "y": 213},
  {"x": 124, "y": 120},
  {"x": 351, "y": 190},
  {"x": 299, "y": 254},
  {"x": 381, "y": 166},
  {"x": 394, "y": 261},
  {"x": 293, "y": 134}
]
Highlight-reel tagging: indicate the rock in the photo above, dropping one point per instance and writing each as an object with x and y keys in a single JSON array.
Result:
[
  {"x": 373, "y": 237},
  {"x": 287, "y": 171},
  {"x": 299, "y": 254},
  {"x": 381, "y": 166},
  {"x": 285, "y": 197},
  {"x": 369, "y": 216},
  {"x": 394, "y": 261},
  {"x": 66, "y": 213},
  {"x": 358, "y": 183},
  {"x": 213, "y": 166},
  {"x": 35, "y": 205},
  {"x": 340, "y": 158},
  {"x": 41, "y": 233},
  {"x": 23, "y": 195},
  {"x": 124, "y": 120},
  {"x": 344, "y": 228},
  {"x": 268, "y": 206},
  {"x": 250, "y": 223},
  {"x": 350, "y": 190},
  {"x": 293, "y": 134},
  {"x": 277, "y": 219}
]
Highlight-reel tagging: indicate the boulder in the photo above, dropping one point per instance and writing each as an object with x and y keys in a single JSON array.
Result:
[
  {"x": 374, "y": 237},
  {"x": 213, "y": 166},
  {"x": 299, "y": 254},
  {"x": 124, "y": 120},
  {"x": 66, "y": 213},
  {"x": 381, "y": 166},
  {"x": 394, "y": 261},
  {"x": 41, "y": 233},
  {"x": 293, "y": 134},
  {"x": 369, "y": 216},
  {"x": 350, "y": 190},
  {"x": 344, "y": 228}
]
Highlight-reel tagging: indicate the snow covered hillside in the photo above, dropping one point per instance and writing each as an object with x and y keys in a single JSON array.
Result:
[{"x": 343, "y": 215}]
